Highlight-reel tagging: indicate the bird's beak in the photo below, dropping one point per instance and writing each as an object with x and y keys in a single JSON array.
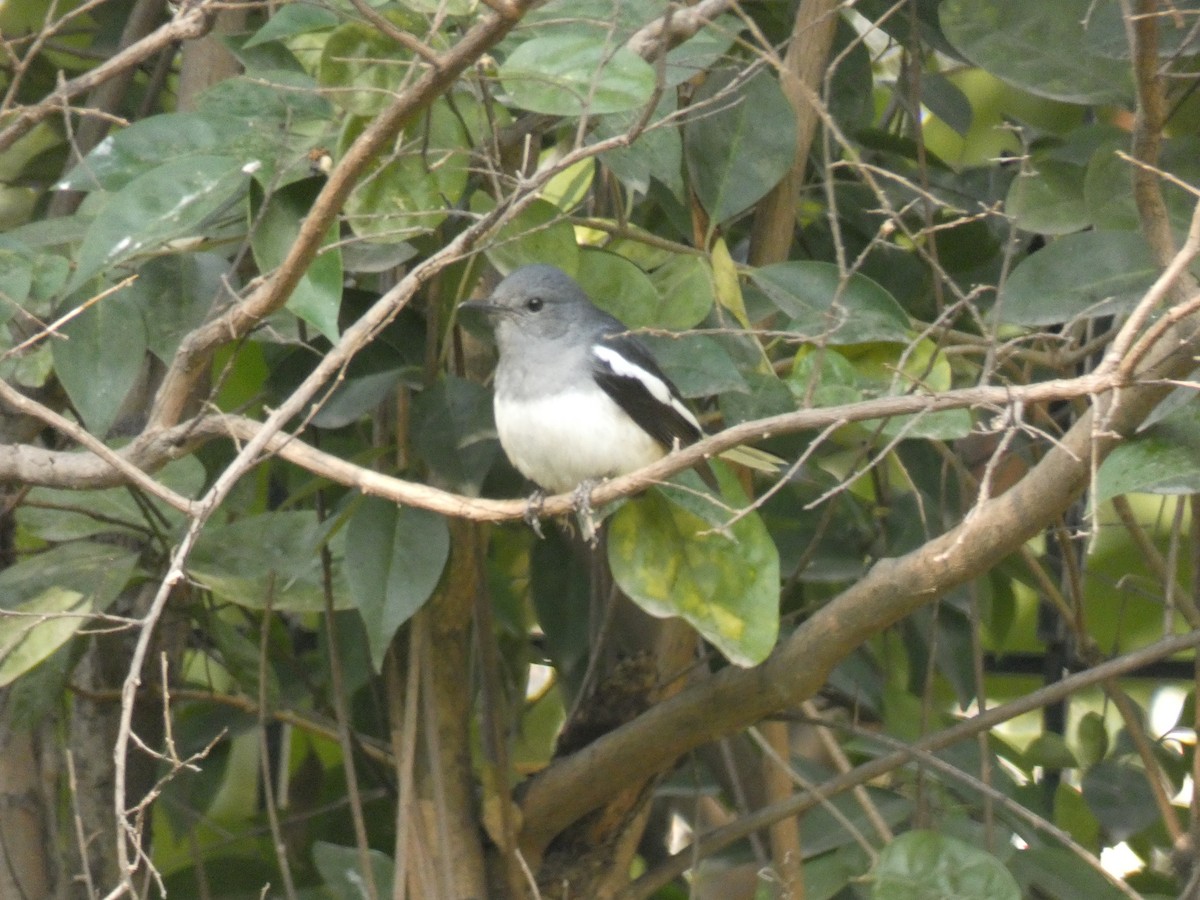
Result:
[{"x": 483, "y": 305}]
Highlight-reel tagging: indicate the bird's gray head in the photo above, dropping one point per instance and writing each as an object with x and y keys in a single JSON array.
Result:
[{"x": 537, "y": 303}]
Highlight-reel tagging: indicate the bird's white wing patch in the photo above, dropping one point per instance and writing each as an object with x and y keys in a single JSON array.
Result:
[{"x": 659, "y": 390}]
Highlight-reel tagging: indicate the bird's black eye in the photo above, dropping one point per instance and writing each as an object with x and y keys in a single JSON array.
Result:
[{"x": 533, "y": 304}]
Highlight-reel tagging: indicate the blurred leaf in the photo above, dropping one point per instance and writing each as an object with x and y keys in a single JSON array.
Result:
[
  {"x": 686, "y": 286},
  {"x": 340, "y": 871},
  {"x": 31, "y": 631},
  {"x": 175, "y": 294},
  {"x": 102, "y": 358},
  {"x": 619, "y": 287},
  {"x": 1108, "y": 187},
  {"x": 454, "y": 433},
  {"x": 725, "y": 281},
  {"x": 294, "y": 18},
  {"x": 575, "y": 74},
  {"x": 697, "y": 363},
  {"x": 166, "y": 203},
  {"x": 275, "y": 554},
  {"x": 559, "y": 586},
  {"x": 1091, "y": 735},
  {"x": 66, "y": 514},
  {"x": 670, "y": 563},
  {"x": 689, "y": 59},
  {"x": 1059, "y": 873},
  {"x": 362, "y": 67},
  {"x": 1120, "y": 797},
  {"x": 1047, "y": 198},
  {"x": 540, "y": 234},
  {"x": 657, "y": 153},
  {"x": 823, "y": 377},
  {"x": 1161, "y": 459},
  {"x": 741, "y": 146},
  {"x": 1090, "y": 274},
  {"x": 413, "y": 191},
  {"x": 1050, "y": 751},
  {"x": 133, "y": 151},
  {"x": 47, "y": 597},
  {"x": 395, "y": 556},
  {"x": 318, "y": 295},
  {"x": 924, "y": 865},
  {"x": 854, "y": 310},
  {"x": 1023, "y": 43},
  {"x": 946, "y": 101}
]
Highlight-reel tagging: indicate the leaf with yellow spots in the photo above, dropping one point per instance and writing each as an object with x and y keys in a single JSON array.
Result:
[{"x": 672, "y": 562}]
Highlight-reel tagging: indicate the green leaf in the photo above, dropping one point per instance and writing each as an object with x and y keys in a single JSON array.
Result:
[
  {"x": 924, "y": 865},
  {"x": 51, "y": 594},
  {"x": 1047, "y": 197},
  {"x": 274, "y": 555},
  {"x": 295, "y": 18},
  {"x": 540, "y": 234},
  {"x": 1120, "y": 797},
  {"x": 133, "y": 151},
  {"x": 454, "y": 433},
  {"x": 362, "y": 66},
  {"x": 16, "y": 277},
  {"x": 576, "y": 74},
  {"x": 1050, "y": 751},
  {"x": 1091, "y": 735},
  {"x": 342, "y": 875},
  {"x": 166, "y": 203},
  {"x": 64, "y": 514},
  {"x": 700, "y": 51},
  {"x": 1094, "y": 273},
  {"x": 657, "y": 153},
  {"x": 947, "y": 101},
  {"x": 411, "y": 193},
  {"x": 1025, "y": 42},
  {"x": 685, "y": 284},
  {"x": 670, "y": 563},
  {"x": 395, "y": 556},
  {"x": 31, "y": 631},
  {"x": 741, "y": 146},
  {"x": 1161, "y": 459},
  {"x": 318, "y": 296},
  {"x": 102, "y": 358},
  {"x": 175, "y": 294},
  {"x": 854, "y": 310},
  {"x": 698, "y": 364},
  {"x": 619, "y": 287}
]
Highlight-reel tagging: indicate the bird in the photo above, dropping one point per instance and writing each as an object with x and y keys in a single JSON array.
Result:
[{"x": 578, "y": 399}]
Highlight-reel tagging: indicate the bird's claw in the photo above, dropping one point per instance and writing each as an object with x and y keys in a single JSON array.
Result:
[
  {"x": 581, "y": 499},
  {"x": 533, "y": 512}
]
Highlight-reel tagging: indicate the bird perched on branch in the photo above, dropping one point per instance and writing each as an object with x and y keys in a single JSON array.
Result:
[{"x": 578, "y": 399}]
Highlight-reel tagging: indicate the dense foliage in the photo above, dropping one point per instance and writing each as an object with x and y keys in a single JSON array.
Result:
[{"x": 269, "y": 615}]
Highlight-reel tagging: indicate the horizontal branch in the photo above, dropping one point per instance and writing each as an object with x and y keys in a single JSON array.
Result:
[{"x": 80, "y": 470}]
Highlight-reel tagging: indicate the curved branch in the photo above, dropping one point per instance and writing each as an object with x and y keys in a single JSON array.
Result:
[{"x": 892, "y": 589}]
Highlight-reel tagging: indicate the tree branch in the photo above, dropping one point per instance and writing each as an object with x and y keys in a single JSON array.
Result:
[{"x": 892, "y": 589}]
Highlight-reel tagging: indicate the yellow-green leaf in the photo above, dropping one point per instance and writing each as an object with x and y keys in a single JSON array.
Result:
[{"x": 671, "y": 563}]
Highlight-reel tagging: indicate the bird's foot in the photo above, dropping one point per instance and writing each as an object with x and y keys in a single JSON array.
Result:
[
  {"x": 533, "y": 512},
  {"x": 581, "y": 499}
]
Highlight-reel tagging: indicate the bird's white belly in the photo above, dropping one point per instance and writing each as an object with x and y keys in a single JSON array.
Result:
[{"x": 563, "y": 439}]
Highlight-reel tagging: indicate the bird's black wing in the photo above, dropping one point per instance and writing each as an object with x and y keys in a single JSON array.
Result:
[{"x": 627, "y": 372}]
